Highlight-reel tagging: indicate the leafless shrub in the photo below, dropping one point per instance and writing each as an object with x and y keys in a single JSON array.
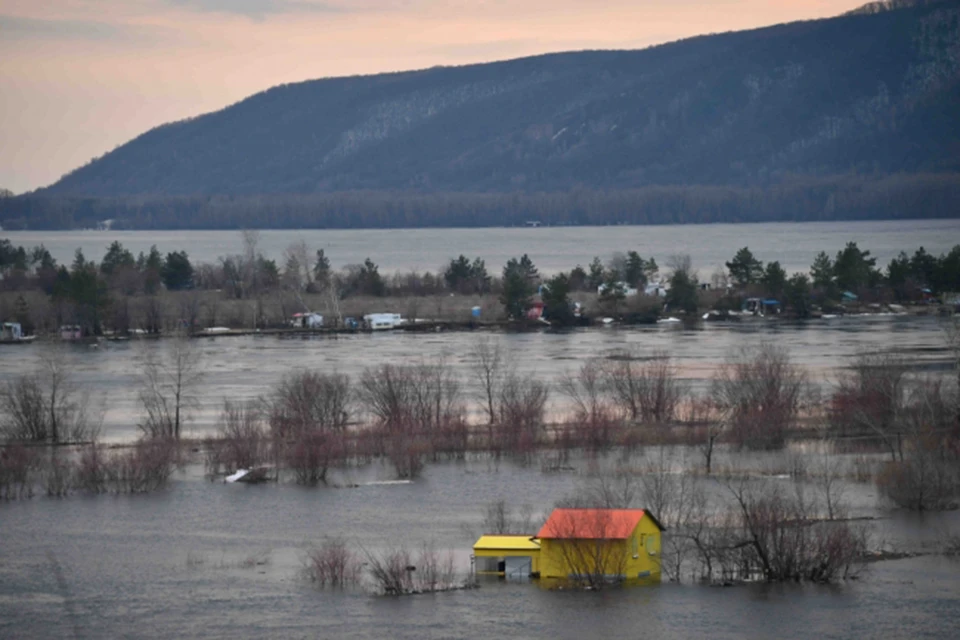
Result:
[
  {"x": 499, "y": 518},
  {"x": 310, "y": 455},
  {"x": 333, "y": 564},
  {"x": 412, "y": 407},
  {"x": 435, "y": 571},
  {"x": 391, "y": 571},
  {"x": 309, "y": 413},
  {"x": 760, "y": 391},
  {"x": 45, "y": 406},
  {"x": 776, "y": 539},
  {"x": 594, "y": 424},
  {"x": 921, "y": 482},
  {"x": 16, "y": 465},
  {"x": 646, "y": 391},
  {"x": 827, "y": 473},
  {"x": 241, "y": 439},
  {"x": 92, "y": 468},
  {"x": 871, "y": 398},
  {"x": 58, "y": 474},
  {"x": 309, "y": 401},
  {"x": 521, "y": 406},
  {"x": 144, "y": 467}
]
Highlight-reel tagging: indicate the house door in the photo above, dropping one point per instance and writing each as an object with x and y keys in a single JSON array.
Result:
[{"x": 517, "y": 568}]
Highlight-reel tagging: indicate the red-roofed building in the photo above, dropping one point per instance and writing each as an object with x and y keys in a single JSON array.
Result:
[{"x": 593, "y": 546}]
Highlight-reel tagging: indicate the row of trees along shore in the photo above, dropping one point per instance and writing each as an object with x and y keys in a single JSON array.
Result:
[
  {"x": 881, "y": 423},
  {"x": 154, "y": 292}
]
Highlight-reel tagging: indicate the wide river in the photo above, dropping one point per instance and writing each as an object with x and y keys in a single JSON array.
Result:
[
  {"x": 552, "y": 249},
  {"x": 202, "y": 559}
]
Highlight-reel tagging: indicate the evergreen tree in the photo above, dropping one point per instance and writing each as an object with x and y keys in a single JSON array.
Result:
[
  {"x": 177, "y": 272},
  {"x": 116, "y": 258},
  {"x": 745, "y": 269},
  {"x": 556, "y": 301},
  {"x": 854, "y": 268},
  {"x": 774, "y": 279},
  {"x": 595, "y": 276},
  {"x": 517, "y": 288},
  {"x": 797, "y": 293}
]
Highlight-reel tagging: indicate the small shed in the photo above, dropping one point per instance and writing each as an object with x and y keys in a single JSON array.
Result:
[
  {"x": 515, "y": 557},
  {"x": 611, "y": 544}
]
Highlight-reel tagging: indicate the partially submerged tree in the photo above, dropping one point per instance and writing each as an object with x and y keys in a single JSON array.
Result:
[
  {"x": 760, "y": 390},
  {"x": 45, "y": 405},
  {"x": 169, "y": 384}
]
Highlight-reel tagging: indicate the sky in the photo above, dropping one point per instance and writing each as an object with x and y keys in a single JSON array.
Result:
[{"x": 80, "y": 77}]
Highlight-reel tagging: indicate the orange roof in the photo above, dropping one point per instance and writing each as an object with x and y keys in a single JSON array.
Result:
[{"x": 593, "y": 524}]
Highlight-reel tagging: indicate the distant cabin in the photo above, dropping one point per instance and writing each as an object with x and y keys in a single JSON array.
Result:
[
  {"x": 616, "y": 544},
  {"x": 306, "y": 320},
  {"x": 382, "y": 321}
]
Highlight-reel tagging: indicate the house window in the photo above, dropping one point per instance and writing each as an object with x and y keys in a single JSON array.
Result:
[{"x": 635, "y": 545}]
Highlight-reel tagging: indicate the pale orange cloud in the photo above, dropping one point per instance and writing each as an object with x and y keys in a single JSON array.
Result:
[{"x": 80, "y": 77}]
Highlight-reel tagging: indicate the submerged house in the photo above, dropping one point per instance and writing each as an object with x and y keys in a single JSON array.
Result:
[
  {"x": 514, "y": 557},
  {"x": 600, "y": 545}
]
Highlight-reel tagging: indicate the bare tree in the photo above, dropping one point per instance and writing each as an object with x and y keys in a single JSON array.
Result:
[
  {"x": 309, "y": 413},
  {"x": 649, "y": 391},
  {"x": 242, "y": 441},
  {"x": 593, "y": 416},
  {"x": 871, "y": 398},
  {"x": 45, "y": 405},
  {"x": 489, "y": 366},
  {"x": 761, "y": 392},
  {"x": 333, "y": 564},
  {"x": 168, "y": 387}
]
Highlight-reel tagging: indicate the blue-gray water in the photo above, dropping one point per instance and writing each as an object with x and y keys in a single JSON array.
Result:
[
  {"x": 246, "y": 367},
  {"x": 552, "y": 249},
  {"x": 171, "y": 565}
]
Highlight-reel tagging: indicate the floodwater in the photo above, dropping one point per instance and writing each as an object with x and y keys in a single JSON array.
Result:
[
  {"x": 552, "y": 249},
  {"x": 212, "y": 560},
  {"x": 201, "y": 559},
  {"x": 245, "y": 367}
]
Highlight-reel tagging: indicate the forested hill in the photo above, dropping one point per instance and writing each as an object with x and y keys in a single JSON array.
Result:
[
  {"x": 867, "y": 93},
  {"x": 856, "y": 116}
]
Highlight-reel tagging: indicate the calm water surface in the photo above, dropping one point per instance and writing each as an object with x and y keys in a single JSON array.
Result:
[
  {"x": 170, "y": 565},
  {"x": 246, "y": 367},
  {"x": 552, "y": 249}
]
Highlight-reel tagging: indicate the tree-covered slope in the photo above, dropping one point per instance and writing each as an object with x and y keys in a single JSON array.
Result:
[{"x": 869, "y": 93}]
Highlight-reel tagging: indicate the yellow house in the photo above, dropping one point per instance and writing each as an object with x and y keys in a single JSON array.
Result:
[
  {"x": 592, "y": 546},
  {"x": 513, "y": 557}
]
